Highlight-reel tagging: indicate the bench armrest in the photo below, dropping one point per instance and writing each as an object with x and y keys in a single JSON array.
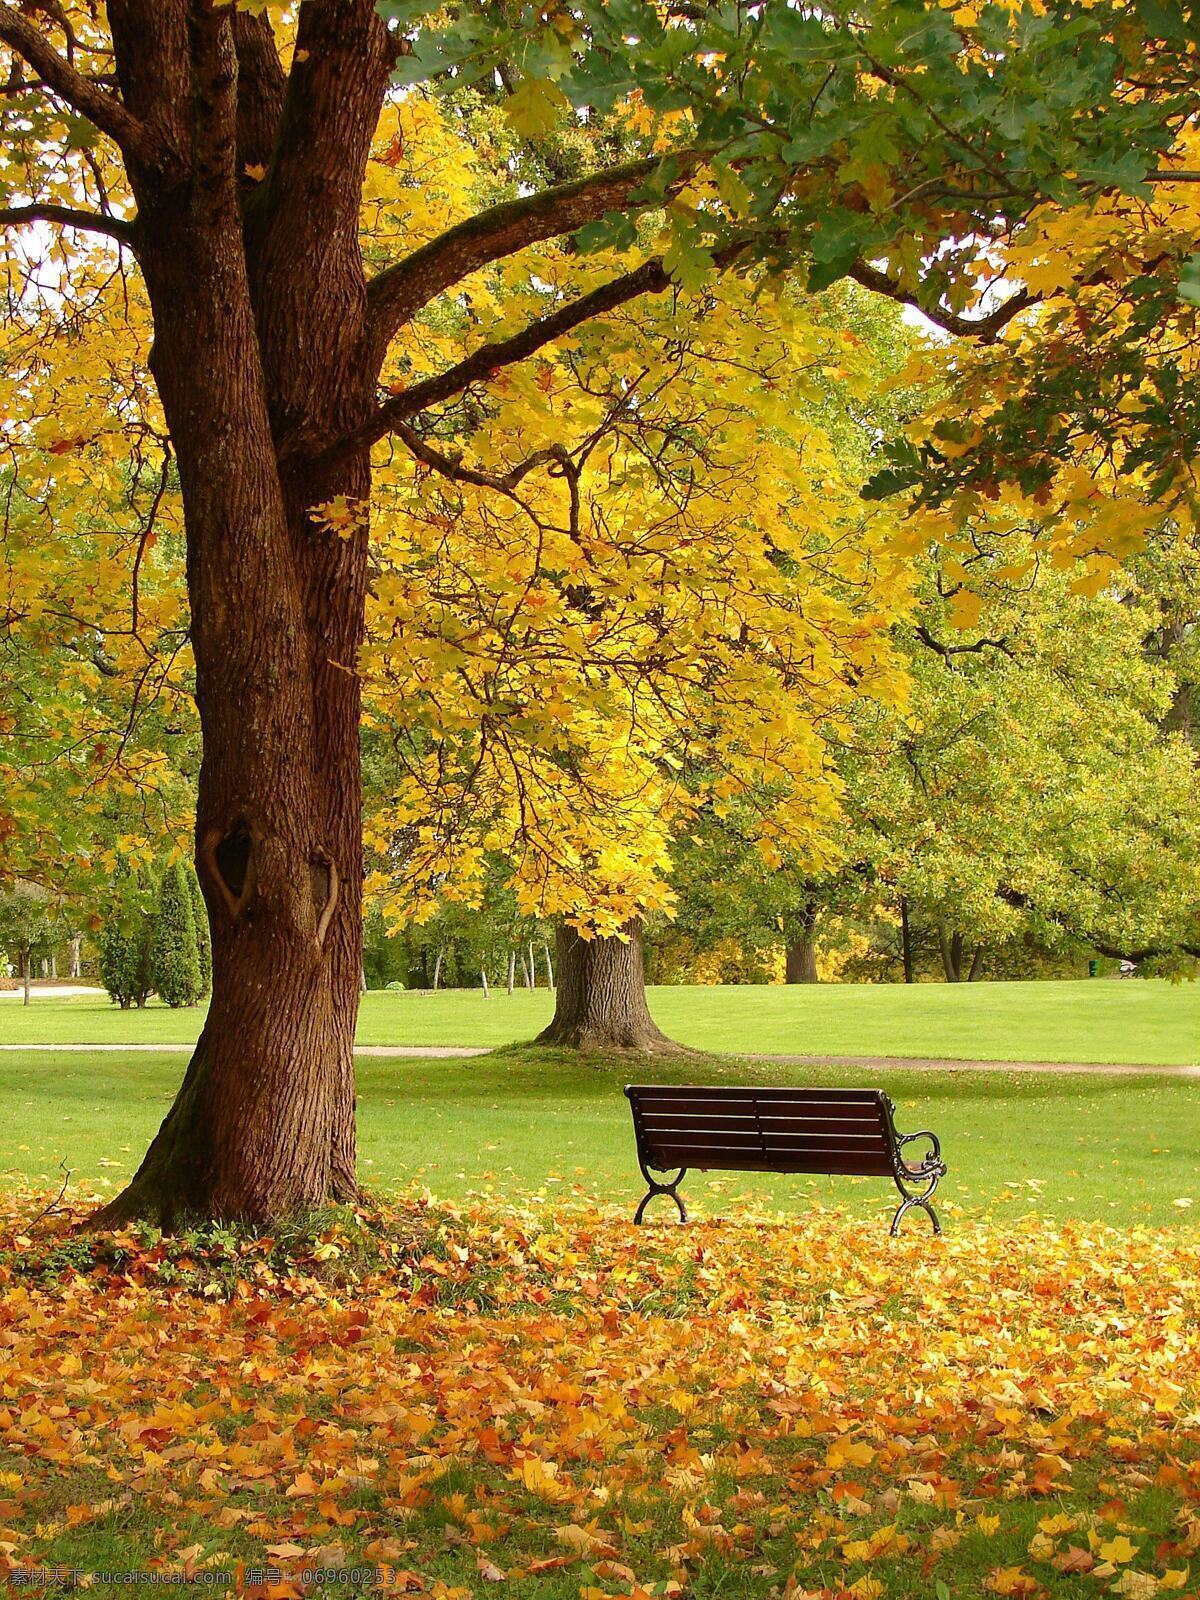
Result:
[{"x": 933, "y": 1157}]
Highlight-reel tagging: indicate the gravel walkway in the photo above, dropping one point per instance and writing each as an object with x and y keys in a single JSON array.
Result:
[
  {"x": 430, "y": 1051},
  {"x": 437, "y": 1052}
]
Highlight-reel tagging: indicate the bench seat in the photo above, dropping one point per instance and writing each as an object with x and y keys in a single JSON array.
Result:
[{"x": 733, "y": 1129}]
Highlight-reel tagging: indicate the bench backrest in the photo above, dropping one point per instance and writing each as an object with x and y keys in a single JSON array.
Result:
[{"x": 764, "y": 1130}]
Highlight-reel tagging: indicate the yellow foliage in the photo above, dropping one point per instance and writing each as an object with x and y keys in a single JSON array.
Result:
[{"x": 647, "y": 584}]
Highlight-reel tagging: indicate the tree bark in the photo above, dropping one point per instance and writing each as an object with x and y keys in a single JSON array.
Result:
[
  {"x": 951, "y": 946},
  {"x": 906, "y": 950},
  {"x": 512, "y": 969},
  {"x": 23, "y": 959},
  {"x": 800, "y": 956},
  {"x": 600, "y": 1000},
  {"x": 259, "y": 331},
  {"x": 976, "y": 965}
]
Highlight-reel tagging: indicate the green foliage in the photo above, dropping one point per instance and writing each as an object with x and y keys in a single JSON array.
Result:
[
  {"x": 385, "y": 957},
  {"x": 125, "y": 947},
  {"x": 1032, "y": 788},
  {"x": 203, "y": 932},
  {"x": 987, "y": 114},
  {"x": 26, "y": 924},
  {"x": 175, "y": 954}
]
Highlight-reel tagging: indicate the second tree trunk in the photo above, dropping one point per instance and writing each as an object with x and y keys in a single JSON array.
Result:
[{"x": 600, "y": 1002}]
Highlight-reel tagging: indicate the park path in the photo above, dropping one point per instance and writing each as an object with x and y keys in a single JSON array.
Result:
[
  {"x": 437, "y": 1052},
  {"x": 443, "y": 1052},
  {"x": 53, "y": 991}
]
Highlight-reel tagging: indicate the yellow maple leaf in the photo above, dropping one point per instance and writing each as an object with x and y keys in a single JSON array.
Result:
[{"x": 1119, "y": 1550}]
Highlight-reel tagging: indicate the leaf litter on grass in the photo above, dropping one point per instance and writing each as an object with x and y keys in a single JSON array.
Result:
[{"x": 469, "y": 1400}]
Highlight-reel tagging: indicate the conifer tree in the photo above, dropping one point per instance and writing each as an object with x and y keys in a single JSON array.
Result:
[
  {"x": 176, "y": 952},
  {"x": 203, "y": 933},
  {"x": 125, "y": 961}
]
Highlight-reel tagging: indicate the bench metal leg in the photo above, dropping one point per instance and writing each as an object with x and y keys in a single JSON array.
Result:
[
  {"x": 657, "y": 1188},
  {"x": 912, "y": 1201}
]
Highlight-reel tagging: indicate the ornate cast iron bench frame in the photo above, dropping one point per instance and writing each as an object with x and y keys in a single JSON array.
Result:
[{"x": 721, "y": 1128}]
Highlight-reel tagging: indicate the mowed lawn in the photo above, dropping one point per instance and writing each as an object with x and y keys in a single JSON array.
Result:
[
  {"x": 529, "y": 1123},
  {"x": 1100, "y": 1020}
]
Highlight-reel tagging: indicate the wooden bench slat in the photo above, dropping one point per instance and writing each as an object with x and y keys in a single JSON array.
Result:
[
  {"x": 771, "y": 1137},
  {"x": 842, "y": 1163},
  {"x": 718, "y": 1091},
  {"x": 652, "y": 1122},
  {"x": 751, "y": 1142},
  {"x": 747, "y": 1108}
]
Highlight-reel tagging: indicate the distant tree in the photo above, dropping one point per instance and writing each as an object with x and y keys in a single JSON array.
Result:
[
  {"x": 175, "y": 953},
  {"x": 125, "y": 947},
  {"x": 203, "y": 932},
  {"x": 26, "y": 926}
]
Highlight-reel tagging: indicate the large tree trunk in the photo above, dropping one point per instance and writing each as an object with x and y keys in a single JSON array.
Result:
[
  {"x": 800, "y": 954},
  {"x": 600, "y": 1001},
  {"x": 258, "y": 342},
  {"x": 264, "y": 1122}
]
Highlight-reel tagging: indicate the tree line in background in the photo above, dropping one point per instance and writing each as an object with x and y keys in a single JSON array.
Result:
[{"x": 151, "y": 939}]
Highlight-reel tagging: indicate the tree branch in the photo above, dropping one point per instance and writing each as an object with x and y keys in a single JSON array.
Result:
[
  {"x": 67, "y": 217},
  {"x": 985, "y": 327},
  {"x": 261, "y": 87},
  {"x": 395, "y": 295},
  {"x": 450, "y": 467},
  {"x": 328, "y": 110},
  {"x": 1023, "y": 902},
  {"x": 61, "y": 78},
  {"x": 946, "y": 651},
  {"x": 302, "y": 220},
  {"x": 651, "y": 278}
]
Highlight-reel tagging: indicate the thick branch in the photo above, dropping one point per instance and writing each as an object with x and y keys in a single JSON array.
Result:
[
  {"x": 261, "y": 86},
  {"x": 400, "y": 291},
  {"x": 67, "y": 217},
  {"x": 946, "y": 651},
  {"x": 328, "y": 113},
  {"x": 985, "y": 327},
  {"x": 449, "y": 467},
  {"x": 652, "y": 278},
  {"x": 214, "y": 113},
  {"x": 61, "y": 78},
  {"x": 302, "y": 221}
]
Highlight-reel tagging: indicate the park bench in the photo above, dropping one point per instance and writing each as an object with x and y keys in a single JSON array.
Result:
[{"x": 777, "y": 1130}]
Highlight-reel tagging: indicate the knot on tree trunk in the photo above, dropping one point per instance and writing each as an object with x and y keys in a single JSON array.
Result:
[{"x": 231, "y": 864}]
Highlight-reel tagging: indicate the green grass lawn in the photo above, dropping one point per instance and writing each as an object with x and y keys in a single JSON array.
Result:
[
  {"x": 527, "y": 1121},
  {"x": 1101, "y": 1020}
]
